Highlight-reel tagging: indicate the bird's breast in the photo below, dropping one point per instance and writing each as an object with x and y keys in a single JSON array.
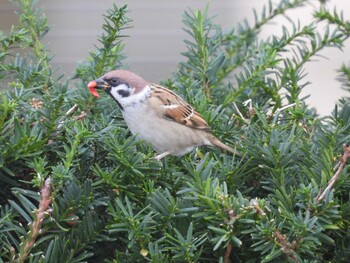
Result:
[{"x": 163, "y": 134}]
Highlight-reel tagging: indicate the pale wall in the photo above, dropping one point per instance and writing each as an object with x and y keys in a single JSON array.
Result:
[{"x": 156, "y": 39}]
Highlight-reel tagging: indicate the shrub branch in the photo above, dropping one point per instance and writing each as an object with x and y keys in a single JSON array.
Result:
[
  {"x": 335, "y": 177},
  {"x": 35, "y": 228}
]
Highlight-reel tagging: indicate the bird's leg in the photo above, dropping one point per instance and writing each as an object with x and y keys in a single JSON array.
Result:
[{"x": 161, "y": 156}]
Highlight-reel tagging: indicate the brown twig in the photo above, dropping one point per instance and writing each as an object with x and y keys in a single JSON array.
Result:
[
  {"x": 228, "y": 253},
  {"x": 81, "y": 116},
  {"x": 335, "y": 177},
  {"x": 35, "y": 227},
  {"x": 229, "y": 247},
  {"x": 286, "y": 247}
]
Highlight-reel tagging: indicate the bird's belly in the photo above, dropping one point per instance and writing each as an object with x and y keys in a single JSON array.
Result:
[{"x": 164, "y": 135}]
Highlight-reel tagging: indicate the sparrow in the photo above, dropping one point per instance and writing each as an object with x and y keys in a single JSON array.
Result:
[{"x": 156, "y": 114}]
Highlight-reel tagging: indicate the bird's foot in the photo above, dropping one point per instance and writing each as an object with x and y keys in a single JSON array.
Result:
[{"x": 161, "y": 156}]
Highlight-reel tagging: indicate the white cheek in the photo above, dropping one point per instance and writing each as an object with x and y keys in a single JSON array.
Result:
[
  {"x": 114, "y": 91},
  {"x": 133, "y": 99}
]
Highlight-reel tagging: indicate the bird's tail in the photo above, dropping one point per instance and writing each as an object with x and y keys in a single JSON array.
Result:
[{"x": 216, "y": 142}]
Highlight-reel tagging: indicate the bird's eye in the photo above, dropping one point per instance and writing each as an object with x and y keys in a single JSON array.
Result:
[{"x": 113, "y": 81}]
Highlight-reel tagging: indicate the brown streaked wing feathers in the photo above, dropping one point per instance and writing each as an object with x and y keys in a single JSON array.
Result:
[{"x": 182, "y": 112}]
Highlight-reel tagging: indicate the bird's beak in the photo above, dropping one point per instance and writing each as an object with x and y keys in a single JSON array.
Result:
[{"x": 97, "y": 84}]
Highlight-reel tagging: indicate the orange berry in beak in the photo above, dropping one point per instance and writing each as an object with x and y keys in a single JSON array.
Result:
[{"x": 92, "y": 85}]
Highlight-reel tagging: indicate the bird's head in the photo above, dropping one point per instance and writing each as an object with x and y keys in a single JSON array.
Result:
[{"x": 121, "y": 85}]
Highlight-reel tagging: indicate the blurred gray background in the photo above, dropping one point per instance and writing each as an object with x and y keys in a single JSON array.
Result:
[{"x": 156, "y": 38}]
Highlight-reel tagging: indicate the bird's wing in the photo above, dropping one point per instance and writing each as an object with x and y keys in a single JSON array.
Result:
[{"x": 176, "y": 109}]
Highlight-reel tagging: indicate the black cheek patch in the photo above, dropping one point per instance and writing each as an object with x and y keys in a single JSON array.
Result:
[{"x": 124, "y": 93}]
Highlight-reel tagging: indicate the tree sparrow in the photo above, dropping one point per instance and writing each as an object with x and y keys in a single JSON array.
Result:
[{"x": 156, "y": 114}]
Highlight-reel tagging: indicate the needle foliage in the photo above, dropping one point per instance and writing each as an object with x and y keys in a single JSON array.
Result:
[{"x": 76, "y": 186}]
